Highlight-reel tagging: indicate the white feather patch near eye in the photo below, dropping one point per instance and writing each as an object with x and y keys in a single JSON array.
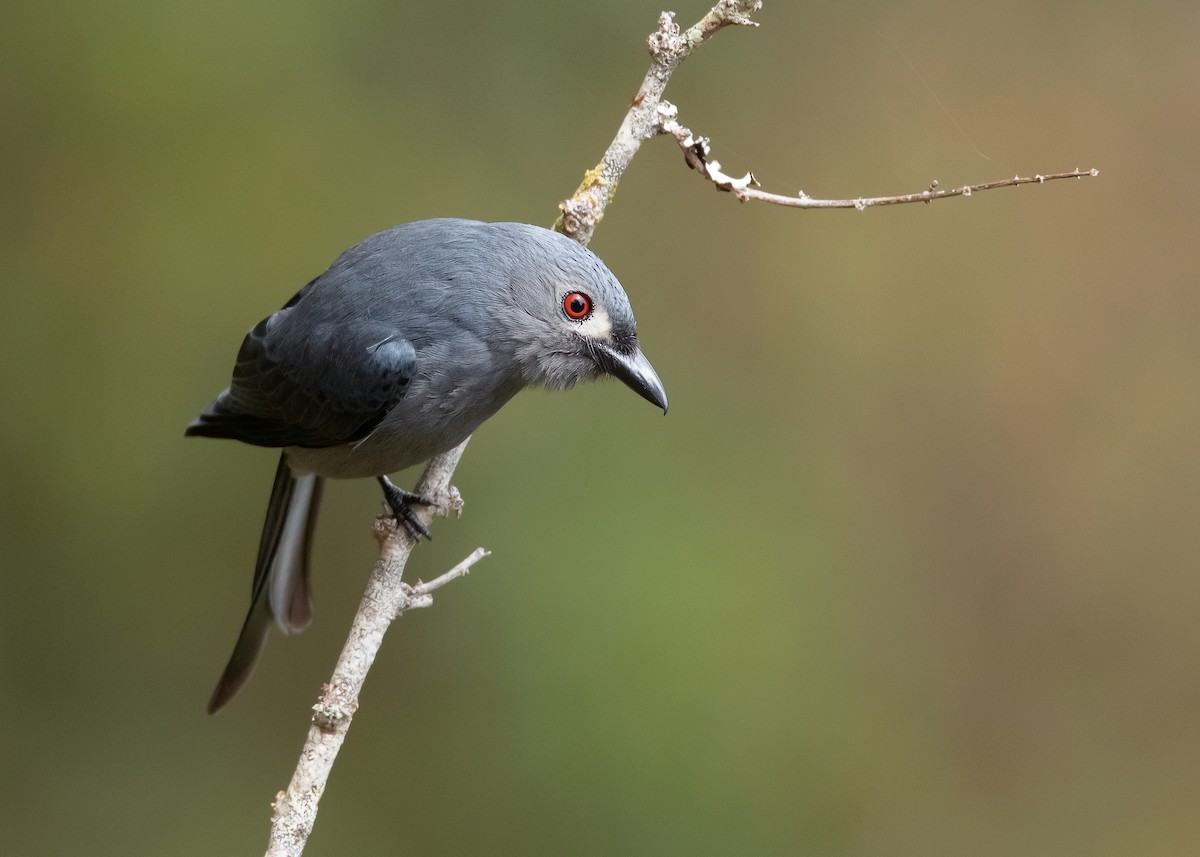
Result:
[{"x": 596, "y": 326}]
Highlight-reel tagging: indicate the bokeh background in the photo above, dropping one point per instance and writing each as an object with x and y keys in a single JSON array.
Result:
[{"x": 909, "y": 569}]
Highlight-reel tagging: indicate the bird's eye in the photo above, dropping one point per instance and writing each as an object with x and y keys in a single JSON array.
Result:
[{"x": 577, "y": 306}]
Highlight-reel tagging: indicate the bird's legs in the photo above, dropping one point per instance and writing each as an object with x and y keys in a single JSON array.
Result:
[{"x": 401, "y": 503}]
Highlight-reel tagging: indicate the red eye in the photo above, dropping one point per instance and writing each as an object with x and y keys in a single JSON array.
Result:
[{"x": 577, "y": 306}]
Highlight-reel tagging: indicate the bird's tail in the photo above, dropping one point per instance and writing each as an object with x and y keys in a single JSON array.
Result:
[{"x": 281, "y": 582}]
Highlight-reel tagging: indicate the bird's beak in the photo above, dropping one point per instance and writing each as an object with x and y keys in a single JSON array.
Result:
[{"x": 634, "y": 370}]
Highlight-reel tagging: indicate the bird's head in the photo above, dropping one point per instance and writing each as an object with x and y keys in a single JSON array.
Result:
[{"x": 569, "y": 318}]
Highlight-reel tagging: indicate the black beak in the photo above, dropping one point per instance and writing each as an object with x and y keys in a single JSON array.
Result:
[{"x": 634, "y": 370}]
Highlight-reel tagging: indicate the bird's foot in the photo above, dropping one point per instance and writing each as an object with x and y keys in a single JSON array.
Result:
[{"x": 401, "y": 503}]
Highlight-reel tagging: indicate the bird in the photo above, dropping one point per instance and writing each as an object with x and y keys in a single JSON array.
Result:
[{"x": 399, "y": 351}]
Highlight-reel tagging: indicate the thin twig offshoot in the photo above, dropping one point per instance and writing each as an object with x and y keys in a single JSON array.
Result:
[{"x": 697, "y": 153}]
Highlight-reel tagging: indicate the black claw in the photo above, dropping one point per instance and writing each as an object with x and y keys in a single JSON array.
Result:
[{"x": 401, "y": 503}]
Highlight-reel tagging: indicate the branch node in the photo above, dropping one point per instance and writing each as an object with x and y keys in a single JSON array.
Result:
[
  {"x": 663, "y": 43},
  {"x": 332, "y": 712},
  {"x": 414, "y": 601},
  {"x": 666, "y": 113},
  {"x": 383, "y": 529},
  {"x": 576, "y": 212},
  {"x": 450, "y": 502}
]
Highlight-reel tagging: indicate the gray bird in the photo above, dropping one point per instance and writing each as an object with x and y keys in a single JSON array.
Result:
[{"x": 398, "y": 352}]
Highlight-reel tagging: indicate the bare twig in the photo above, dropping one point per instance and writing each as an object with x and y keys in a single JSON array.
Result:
[
  {"x": 697, "y": 153},
  {"x": 669, "y": 46}
]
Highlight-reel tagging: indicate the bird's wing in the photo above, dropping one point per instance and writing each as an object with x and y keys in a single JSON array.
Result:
[{"x": 311, "y": 384}]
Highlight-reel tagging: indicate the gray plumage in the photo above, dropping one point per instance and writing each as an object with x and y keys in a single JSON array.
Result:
[{"x": 398, "y": 352}]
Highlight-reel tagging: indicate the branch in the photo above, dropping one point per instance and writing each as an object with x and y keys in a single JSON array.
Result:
[
  {"x": 669, "y": 46},
  {"x": 697, "y": 154},
  {"x": 649, "y": 115},
  {"x": 386, "y": 598}
]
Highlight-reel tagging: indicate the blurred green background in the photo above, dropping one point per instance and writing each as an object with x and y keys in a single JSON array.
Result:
[{"x": 910, "y": 569}]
